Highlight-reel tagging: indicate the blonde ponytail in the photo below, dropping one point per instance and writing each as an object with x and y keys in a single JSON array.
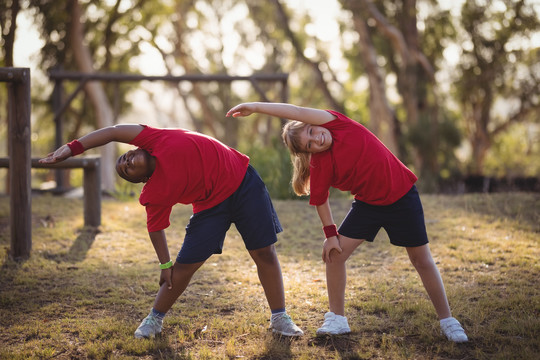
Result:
[{"x": 300, "y": 179}]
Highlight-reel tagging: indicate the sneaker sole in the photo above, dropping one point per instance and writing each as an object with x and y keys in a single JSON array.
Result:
[
  {"x": 457, "y": 341},
  {"x": 147, "y": 337},
  {"x": 341, "y": 332},
  {"x": 286, "y": 334}
]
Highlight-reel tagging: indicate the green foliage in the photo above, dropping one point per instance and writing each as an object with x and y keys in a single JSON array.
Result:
[
  {"x": 515, "y": 153},
  {"x": 113, "y": 34},
  {"x": 495, "y": 65},
  {"x": 490, "y": 59},
  {"x": 126, "y": 190},
  {"x": 357, "y": 105},
  {"x": 244, "y": 37},
  {"x": 437, "y": 140},
  {"x": 274, "y": 166},
  {"x": 438, "y": 33}
]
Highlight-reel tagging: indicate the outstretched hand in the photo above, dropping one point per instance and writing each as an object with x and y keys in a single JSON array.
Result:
[
  {"x": 245, "y": 109},
  {"x": 331, "y": 244},
  {"x": 61, "y": 154}
]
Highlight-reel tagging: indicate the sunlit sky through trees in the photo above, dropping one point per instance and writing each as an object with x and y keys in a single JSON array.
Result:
[
  {"x": 324, "y": 27},
  {"x": 323, "y": 13}
]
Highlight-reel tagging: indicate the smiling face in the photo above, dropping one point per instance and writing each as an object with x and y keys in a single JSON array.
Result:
[
  {"x": 135, "y": 166},
  {"x": 314, "y": 139}
]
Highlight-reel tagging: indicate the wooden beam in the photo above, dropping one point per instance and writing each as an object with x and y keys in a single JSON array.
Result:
[
  {"x": 91, "y": 183},
  {"x": 87, "y": 161},
  {"x": 70, "y": 75},
  {"x": 10, "y": 74}
]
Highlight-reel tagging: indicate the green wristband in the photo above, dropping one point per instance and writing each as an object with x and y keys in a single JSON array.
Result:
[{"x": 167, "y": 265}]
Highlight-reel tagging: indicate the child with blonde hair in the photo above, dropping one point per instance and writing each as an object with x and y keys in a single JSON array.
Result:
[{"x": 330, "y": 150}]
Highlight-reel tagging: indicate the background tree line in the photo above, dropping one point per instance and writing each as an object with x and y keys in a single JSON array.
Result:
[{"x": 385, "y": 67}]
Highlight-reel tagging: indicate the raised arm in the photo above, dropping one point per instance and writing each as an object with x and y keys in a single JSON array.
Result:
[
  {"x": 282, "y": 110},
  {"x": 121, "y": 133}
]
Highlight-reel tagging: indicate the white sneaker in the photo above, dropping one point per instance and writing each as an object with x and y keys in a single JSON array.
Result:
[
  {"x": 453, "y": 330},
  {"x": 285, "y": 326},
  {"x": 150, "y": 327},
  {"x": 334, "y": 325}
]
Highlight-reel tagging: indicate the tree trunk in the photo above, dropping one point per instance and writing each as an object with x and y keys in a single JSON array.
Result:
[
  {"x": 314, "y": 65},
  {"x": 409, "y": 67},
  {"x": 96, "y": 93},
  {"x": 9, "y": 41},
  {"x": 9, "y": 35},
  {"x": 479, "y": 134},
  {"x": 405, "y": 44},
  {"x": 382, "y": 117},
  {"x": 381, "y": 114}
]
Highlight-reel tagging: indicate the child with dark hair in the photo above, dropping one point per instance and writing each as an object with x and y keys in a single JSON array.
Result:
[{"x": 181, "y": 166}]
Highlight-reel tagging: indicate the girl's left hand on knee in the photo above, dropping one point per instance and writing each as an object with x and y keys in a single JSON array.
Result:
[{"x": 329, "y": 245}]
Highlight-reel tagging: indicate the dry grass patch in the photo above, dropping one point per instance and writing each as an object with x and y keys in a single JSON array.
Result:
[{"x": 83, "y": 292}]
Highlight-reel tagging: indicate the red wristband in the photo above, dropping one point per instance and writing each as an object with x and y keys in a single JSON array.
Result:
[
  {"x": 330, "y": 230},
  {"x": 76, "y": 147}
]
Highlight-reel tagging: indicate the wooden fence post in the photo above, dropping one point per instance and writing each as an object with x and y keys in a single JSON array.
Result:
[
  {"x": 92, "y": 194},
  {"x": 18, "y": 81}
]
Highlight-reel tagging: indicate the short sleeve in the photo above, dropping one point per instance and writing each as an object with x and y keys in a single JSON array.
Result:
[
  {"x": 157, "y": 217},
  {"x": 320, "y": 180}
]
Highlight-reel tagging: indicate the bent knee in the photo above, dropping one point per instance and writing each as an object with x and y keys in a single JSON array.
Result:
[
  {"x": 348, "y": 245},
  {"x": 422, "y": 262},
  {"x": 266, "y": 254},
  {"x": 186, "y": 269},
  {"x": 339, "y": 258}
]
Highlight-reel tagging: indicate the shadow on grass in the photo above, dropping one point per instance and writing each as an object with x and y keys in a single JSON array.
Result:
[
  {"x": 8, "y": 270},
  {"x": 343, "y": 344},
  {"x": 80, "y": 247},
  {"x": 277, "y": 347}
]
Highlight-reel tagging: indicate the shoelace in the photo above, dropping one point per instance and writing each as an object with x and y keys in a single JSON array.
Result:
[
  {"x": 286, "y": 317},
  {"x": 150, "y": 321}
]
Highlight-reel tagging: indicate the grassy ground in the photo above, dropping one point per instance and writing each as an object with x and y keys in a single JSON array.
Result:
[{"x": 83, "y": 293}]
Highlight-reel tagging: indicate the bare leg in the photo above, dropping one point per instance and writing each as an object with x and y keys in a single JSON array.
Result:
[
  {"x": 181, "y": 277},
  {"x": 431, "y": 278},
  {"x": 336, "y": 274},
  {"x": 269, "y": 272}
]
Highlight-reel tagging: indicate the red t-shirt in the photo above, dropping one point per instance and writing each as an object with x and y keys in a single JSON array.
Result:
[
  {"x": 357, "y": 162},
  {"x": 191, "y": 168}
]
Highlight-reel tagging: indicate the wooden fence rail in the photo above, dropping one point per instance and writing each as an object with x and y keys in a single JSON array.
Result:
[{"x": 91, "y": 183}]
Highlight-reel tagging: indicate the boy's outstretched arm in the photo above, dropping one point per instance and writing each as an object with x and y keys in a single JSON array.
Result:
[
  {"x": 282, "y": 110},
  {"x": 122, "y": 133}
]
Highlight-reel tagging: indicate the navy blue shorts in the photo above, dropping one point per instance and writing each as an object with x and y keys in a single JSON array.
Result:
[
  {"x": 249, "y": 208},
  {"x": 402, "y": 220}
]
